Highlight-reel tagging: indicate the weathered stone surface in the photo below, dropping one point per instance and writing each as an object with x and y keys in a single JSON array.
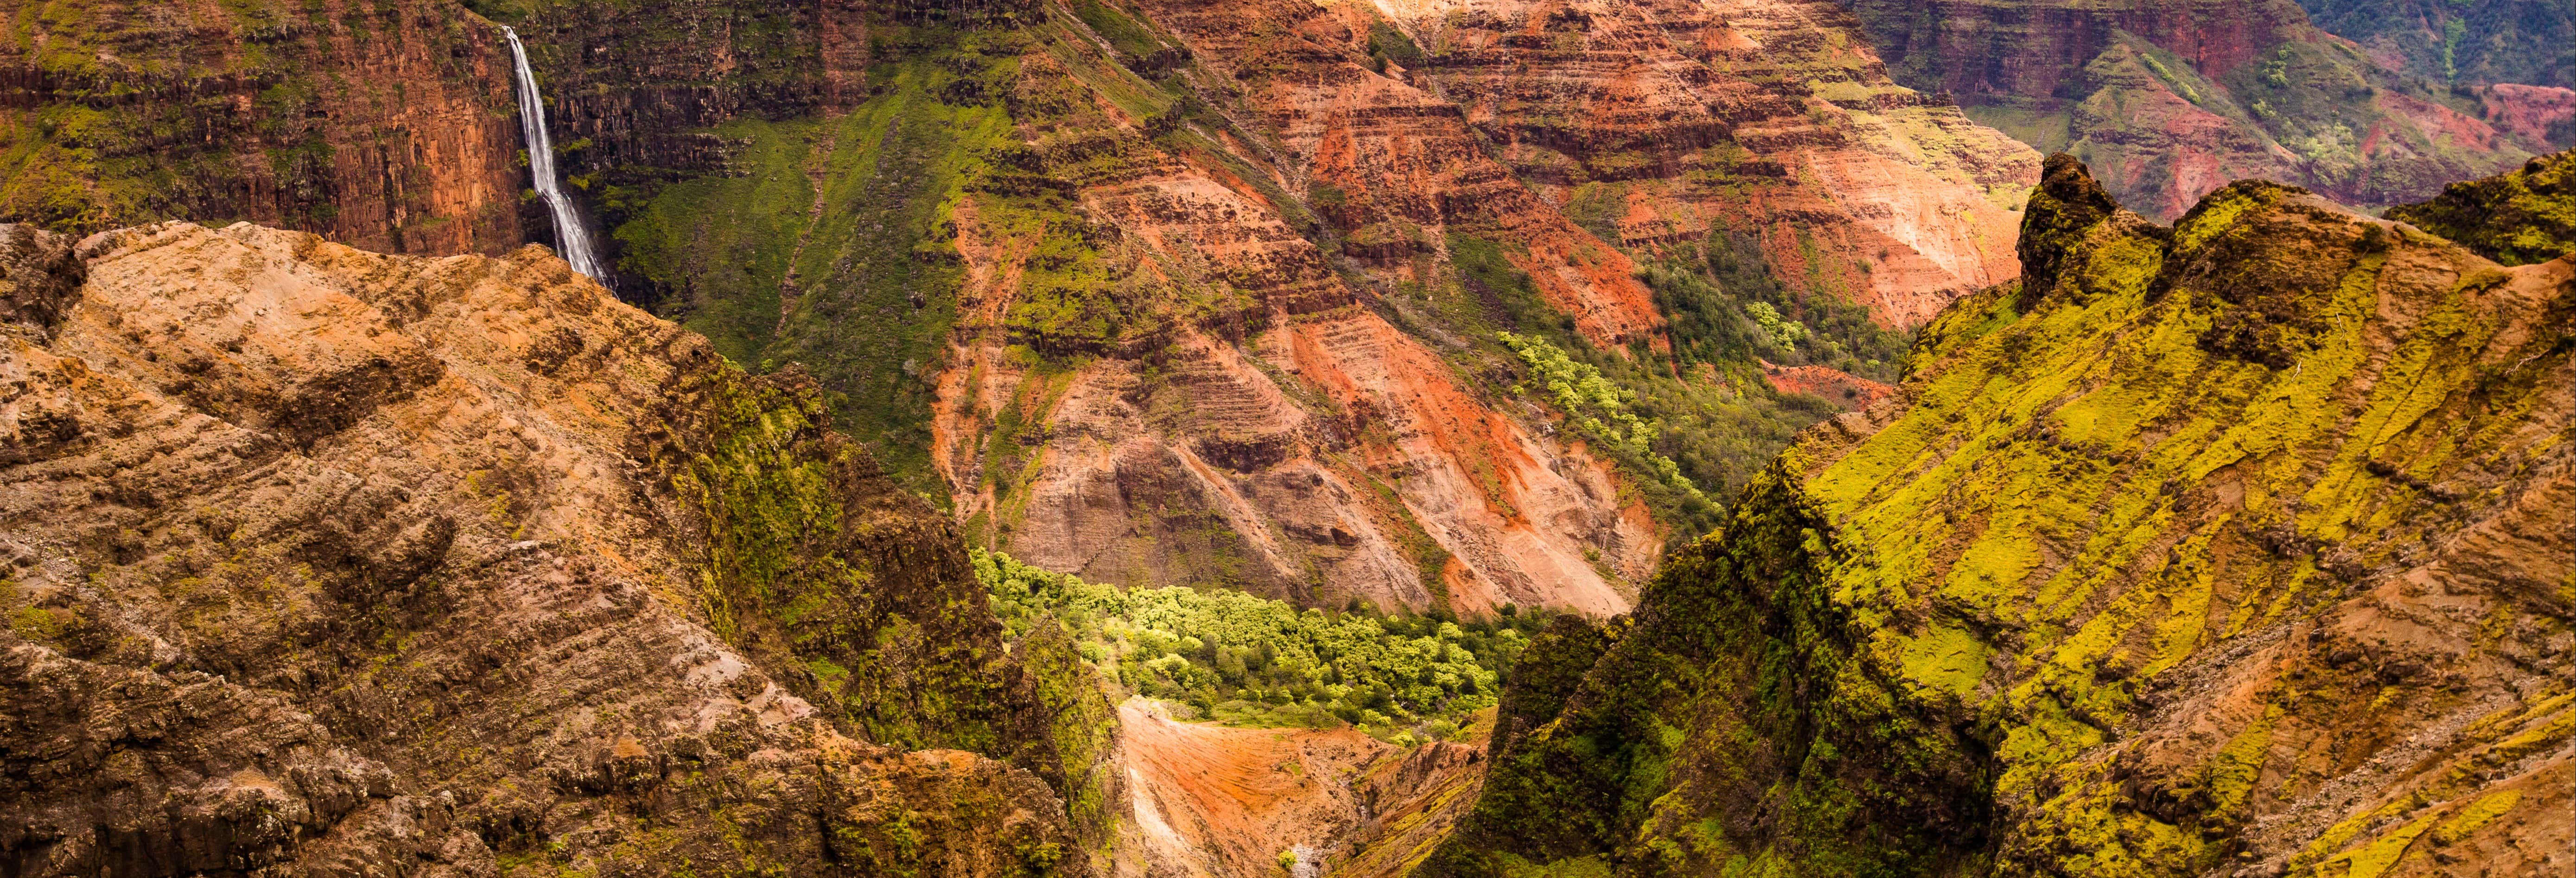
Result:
[{"x": 326, "y": 562}]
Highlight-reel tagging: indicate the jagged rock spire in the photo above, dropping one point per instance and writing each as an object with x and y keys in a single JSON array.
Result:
[{"x": 2067, "y": 203}]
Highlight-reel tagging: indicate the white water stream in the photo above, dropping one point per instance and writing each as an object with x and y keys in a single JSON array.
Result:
[{"x": 572, "y": 238}]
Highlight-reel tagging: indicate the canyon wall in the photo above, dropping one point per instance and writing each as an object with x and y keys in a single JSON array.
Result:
[
  {"x": 327, "y": 562},
  {"x": 2234, "y": 547},
  {"x": 2532, "y": 42},
  {"x": 387, "y": 126},
  {"x": 2170, "y": 99},
  {"x": 1157, "y": 293},
  {"x": 1768, "y": 119}
]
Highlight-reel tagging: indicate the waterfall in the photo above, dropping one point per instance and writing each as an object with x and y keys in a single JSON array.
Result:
[{"x": 572, "y": 238}]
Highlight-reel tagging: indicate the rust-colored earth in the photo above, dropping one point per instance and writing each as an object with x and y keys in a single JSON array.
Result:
[
  {"x": 1207, "y": 799},
  {"x": 1836, "y": 386}
]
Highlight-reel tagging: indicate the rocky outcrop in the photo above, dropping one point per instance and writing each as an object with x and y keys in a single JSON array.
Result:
[
  {"x": 327, "y": 562},
  {"x": 1844, "y": 390},
  {"x": 2519, "y": 218},
  {"x": 2170, "y": 99},
  {"x": 2233, "y": 548}
]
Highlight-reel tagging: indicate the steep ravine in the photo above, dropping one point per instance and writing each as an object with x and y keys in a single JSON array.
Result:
[{"x": 2235, "y": 547}]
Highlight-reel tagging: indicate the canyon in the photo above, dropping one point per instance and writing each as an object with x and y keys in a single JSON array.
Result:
[
  {"x": 1515, "y": 437},
  {"x": 328, "y": 562},
  {"x": 1158, "y": 294}
]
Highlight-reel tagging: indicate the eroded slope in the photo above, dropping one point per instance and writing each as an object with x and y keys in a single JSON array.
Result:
[
  {"x": 2234, "y": 544},
  {"x": 326, "y": 562}
]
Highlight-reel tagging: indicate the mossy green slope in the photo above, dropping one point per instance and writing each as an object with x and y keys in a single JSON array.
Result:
[
  {"x": 2117, "y": 592},
  {"x": 2516, "y": 219},
  {"x": 860, "y": 595}
]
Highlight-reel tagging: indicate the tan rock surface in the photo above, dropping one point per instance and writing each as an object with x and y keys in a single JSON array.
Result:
[{"x": 324, "y": 562}]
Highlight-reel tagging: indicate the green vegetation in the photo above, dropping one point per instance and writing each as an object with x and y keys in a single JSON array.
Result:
[
  {"x": 1386, "y": 44},
  {"x": 1598, "y": 407},
  {"x": 839, "y": 236},
  {"x": 2466, "y": 41},
  {"x": 834, "y": 245},
  {"x": 2521, "y": 218},
  {"x": 1710, "y": 302},
  {"x": 1254, "y": 661},
  {"x": 1693, "y": 425},
  {"x": 1913, "y": 660},
  {"x": 1784, "y": 334}
]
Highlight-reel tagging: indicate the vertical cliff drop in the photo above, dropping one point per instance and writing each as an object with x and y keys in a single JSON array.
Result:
[{"x": 571, "y": 236}]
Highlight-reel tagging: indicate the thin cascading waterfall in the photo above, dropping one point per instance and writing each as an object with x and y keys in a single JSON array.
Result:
[{"x": 572, "y": 237}]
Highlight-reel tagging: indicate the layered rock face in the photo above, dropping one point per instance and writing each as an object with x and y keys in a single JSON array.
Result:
[
  {"x": 1212, "y": 800},
  {"x": 2171, "y": 99},
  {"x": 1769, "y": 119},
  {"x": 1194, "y": 393},
  {"x": 327, "y": 562},
  {"x": 1158, "y": 293},
  {"x": 387, "y": 126},
  {"x": 1340, "y": 458},
  {"x": 2235, "y": 547}
]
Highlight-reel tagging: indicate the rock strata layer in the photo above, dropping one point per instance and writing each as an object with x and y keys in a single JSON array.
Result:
[{"x": 317, "y": 561}]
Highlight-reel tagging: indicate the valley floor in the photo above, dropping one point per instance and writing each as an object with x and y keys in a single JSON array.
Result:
[{"x": 1210, "y": 799}]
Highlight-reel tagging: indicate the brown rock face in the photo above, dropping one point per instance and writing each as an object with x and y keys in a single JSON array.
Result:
[
  {"x": 324, "y": 562},
  {"x": 1394, "y": 168},
  {"x": 1846, "y": 391}
]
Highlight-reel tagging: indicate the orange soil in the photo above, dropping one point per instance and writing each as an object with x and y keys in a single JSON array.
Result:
[
  {"x": 1834, "y": 385},
  {"x": 1205, "y": 799}
]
